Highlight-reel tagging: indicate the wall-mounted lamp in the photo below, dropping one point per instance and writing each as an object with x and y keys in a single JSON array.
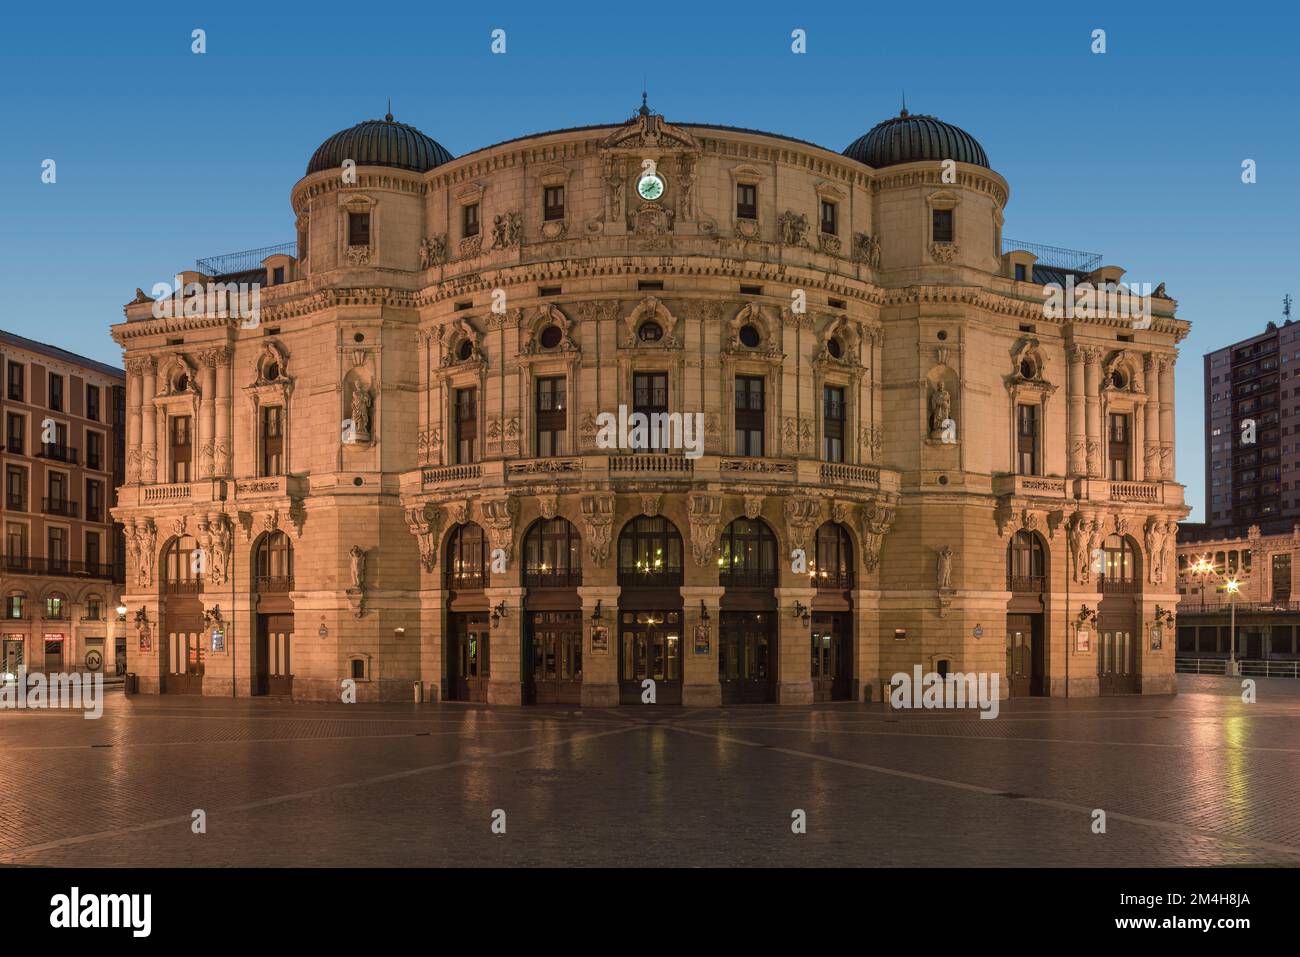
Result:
[
  {"x": 704, "y": 612},
  {"x": 121, "y": 612},
  {"x": 595, "y": 614},
  {"x": 499, "y": 612},
  {"x": 1164, "y": 614},
  {"x": 142, "y": 618},
  {"x": 213, "y": 617},
  {"x": 1086, "y": 614},
  {"x": 399, "y": 632},
  {"x": 800, "y": 611}
]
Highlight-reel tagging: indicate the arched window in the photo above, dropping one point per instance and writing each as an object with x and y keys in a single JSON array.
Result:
[
  {"x": 1026, "y": 563},
  {"x": 552, "y": 555},
  {"x": 273, "y": 563},
  {"x": 466, "y": 558},
  {"x": 649, "y": 553},
  {"x": 183, "y": 566},
  {"x": 832, "y": 566},
  {"x": 56, "y": 606},
  {"x": 748, "y": 558},
  {"x": 1119, "y": 571}
]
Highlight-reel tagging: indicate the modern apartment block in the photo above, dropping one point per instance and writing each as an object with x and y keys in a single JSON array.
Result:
[
  {"x": 63, "y": 556},
  {"x": 1252, "y": 431}
]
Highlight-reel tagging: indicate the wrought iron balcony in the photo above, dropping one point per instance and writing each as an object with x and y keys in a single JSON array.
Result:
[
  {"x": 1027, "y": 584},
  {"x": 735, "y": 576},
  {"x": 59, "y": 506},
  {"x": 58, "y": 453},
  {"x": 273, "y": 584},
  {"x": 552, "y": 577},
  {"x": 1056, "y": 257},
  {"x": 16, "y": 503},
  {"x": 242, "y": 261},
  {"x": 35, "y": 565},
  {"x": 832, "y": 579}
]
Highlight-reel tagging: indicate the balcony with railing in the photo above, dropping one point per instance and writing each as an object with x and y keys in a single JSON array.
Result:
[
  {"x": 840, "y": 473},
  {"x": 651, "y": 463},
  {"x": 1119, "y": 586},
  {"x": 739, "y": 576},
  {"x": 35, "y": 565},
  {"x": 467, "y": 579},
  {"x": 1055, "y": 257},
  {"x": 832, "y": 579},
  {"x": 273, "y": 584},
  {"x": 242, "y": 261},
  {"x": 450, "y": 474},
  {"x": 16, "y": 503},
  {"x": 545, "y": 577},
  {"x": 57, "y": 453},
  {"x": 1027, "y": 584},
  {"x": 59, "y": 506}
]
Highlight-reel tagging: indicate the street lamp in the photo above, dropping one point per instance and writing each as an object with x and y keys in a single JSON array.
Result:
[{"x": 1231, "y": 586}]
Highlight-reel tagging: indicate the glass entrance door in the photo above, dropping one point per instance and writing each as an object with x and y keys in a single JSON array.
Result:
[
  {"x": 555, "y": 653},
  {"x": 1117, "y": 661},
  {"x": 747, "y": 657},
  {"x": 832, "y": 658},
  {"x": 650, "y": 646}
]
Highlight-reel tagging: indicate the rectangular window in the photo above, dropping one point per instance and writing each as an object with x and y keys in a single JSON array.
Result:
[
  {"x": 749, "y": 415},
  {"x": 358, "y": 229},
  {"x": 1282, "y": 577},
  {"x": 14, "y": 427},
  {"x": 469, "y": 220},
  {"x": 466, "y": 425},
  {"x": 94, "y": 500},
  {"x": 553, "y": 203},
  {"x": 272, "y": 439},
  {"x": 92, "y": 403},
  {"x": 16, "y": 542},
  {"x": 1020, "y": 272},
  {"x": 182, "y": 449},
  {"x": 550, "y": 413},
  {"x": 58, "y": 489},
  {"x": 1027, "y": 439},
  {"x": 94, "y": 450},
  {"x": 830, "y": 224},
  {"x": 277, "y": 277},
  {"x": 17, "y": 374},
  {"x": 56, "y": 392},
  {"x": 649, "y": 396},
  {"x": 16, "y": 488},
  {"x": 833, "y": 423},
  {"x": 942, "y": 226},
  {"x": 92, "y": 558},
  {"x": 746, "y": 201},
  {"x": 1118, "y": 431},
  {"x": 56, "y": 544}
]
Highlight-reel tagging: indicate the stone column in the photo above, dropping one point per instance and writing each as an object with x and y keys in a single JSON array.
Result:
[
  {"x": 1077, "y": 412},
  {"x": 150, "y": 466},
  {"x": 600, "y": 669},
  {"x": 1152, "y": 439},
  {"x": 794, "y": 659},
  {"x": 505, "y": 684},
  {"x": 1166, "y": 364},
  {"x": 700, "y": 686},
  {"x": 1092, "y": 387},
  {"x": 207, "y": 410},
  {"x": 222, "y": 452},
  {"x": 134, "y": 387}
]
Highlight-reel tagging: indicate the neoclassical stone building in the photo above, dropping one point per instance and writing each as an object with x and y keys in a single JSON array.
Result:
[{"x": 395, "y": 472}]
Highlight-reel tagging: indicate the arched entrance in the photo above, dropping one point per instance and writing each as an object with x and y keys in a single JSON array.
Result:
[
  {"x": 1119, "y": 626},
  {"x": 650, "y": 610},
  {"x": 467, "y": 646},
  {"x": 273, "y": 643},
  {"x": 747, "y": 636},
  {"x": 553, "y": 630},
  {"x": 1027, "y": 579},
  {"x": 184, "y": 651},
  {"x": 832, "y": 615}
]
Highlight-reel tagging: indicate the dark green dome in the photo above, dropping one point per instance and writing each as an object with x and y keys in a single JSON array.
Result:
[
  {"x": 380, "y": 143},
  {"x": 909, "y": 139}
]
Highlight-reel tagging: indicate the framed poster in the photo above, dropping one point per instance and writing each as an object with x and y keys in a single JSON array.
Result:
[
  {"x": 599, "y": 640},
  {"x": 146, "y": 641},
  {"x": 218, "y": 641},
  {"x": 1082, "y": 639},
  {"x": 1157, "y": 636},
  {"x": 702, "y": 639}
]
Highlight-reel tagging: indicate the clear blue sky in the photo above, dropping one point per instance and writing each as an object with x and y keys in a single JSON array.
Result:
[{"x": 164, "y": 156}]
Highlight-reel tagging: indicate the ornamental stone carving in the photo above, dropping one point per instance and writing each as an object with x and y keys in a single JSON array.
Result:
[
  {"x": 866, "y": 249},
  {"x": 794, "y": 228},
  {"x": 877, "y": 519},
  {"x": 943, "y": 568},
  {"x": 650, "y": 504},
  {"x": 943, "y": 252},
  {"x": 598, "y": 519},
  {"x": 704, "y": 511},
  {"x": 506, "y": 230},
  {"x": 753, "y": 506},
  {"x": 500, "y": 515},
  {"x": 801, "y": 514},
  {"x": 425, "y": 523},
  {"x": 433, "y": 250}
]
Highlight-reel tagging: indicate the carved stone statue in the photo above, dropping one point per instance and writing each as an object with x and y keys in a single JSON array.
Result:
[
  {"x": 361, "y": 410},
  {"x": 940, "y": 408},
  {"x": 794, "y": 228},
  {"x": 944, "y": 571},
  {"x": 1079, "y": 545},
  {"x": 433, "y": 251},
  {"x": 358, "y": 556},
  {"x": 1156, "y": 551}
]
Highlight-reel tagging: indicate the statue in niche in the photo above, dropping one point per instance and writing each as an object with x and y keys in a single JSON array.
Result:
[
  {"x": 357, "y": 554},
  {"x": 361, "y": 410},
  {"x": 940, "y": 408},
  {"x": 944, "y": 571}
]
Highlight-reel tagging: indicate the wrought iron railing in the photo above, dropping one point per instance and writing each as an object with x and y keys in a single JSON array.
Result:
[
  {"x": 271, "y": 584},
  {"x": 1250, "y": 668},
  {"x": 733, "y": 577},
  {"x": 32, "y": 565},
  {"x": 58, "y": 453},
  {"x": 1057, "y": 257},
  {"x": 553, "y": 578},
  {"x": 1031, "y": 584},
  {"x": 1112, "y": 586},
  {"x": 650, "y": 578},
  {"x": 242, "y": 261},
  {"x": 59, "y": 506},
  {"x": 832, "y": 580}
]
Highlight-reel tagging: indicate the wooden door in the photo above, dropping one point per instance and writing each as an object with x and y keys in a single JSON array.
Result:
[
  {"x": 747, "y": 657},
  {"x": 650, "y": 646},
  {"x": 469, "y": 658},
  {"x": 555, "y": 656},
  {"x": 277, "y": 641},
  {"x": 1117, "y": 661},
  {"x": 1020, "y": 655},
  {"x": 832, "y": 658}
]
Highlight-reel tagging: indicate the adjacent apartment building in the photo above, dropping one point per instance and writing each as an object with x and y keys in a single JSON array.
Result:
[{"x": 64, "y": 457}]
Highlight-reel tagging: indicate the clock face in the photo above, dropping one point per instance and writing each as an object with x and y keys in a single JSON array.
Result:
[{"x": 650, "y": 187}]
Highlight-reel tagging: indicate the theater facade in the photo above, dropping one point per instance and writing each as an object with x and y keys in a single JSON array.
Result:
[{"x": 388, "y": 478}]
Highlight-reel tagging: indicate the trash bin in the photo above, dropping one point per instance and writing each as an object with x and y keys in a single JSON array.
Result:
[
  {"x": 129, "y": 685},
  {"x": 419, "y": 693}
]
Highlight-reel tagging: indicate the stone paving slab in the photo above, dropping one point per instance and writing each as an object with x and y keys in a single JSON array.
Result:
[{"x": 1194, "y": 779}]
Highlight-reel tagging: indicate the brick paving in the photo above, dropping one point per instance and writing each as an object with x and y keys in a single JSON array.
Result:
[{"x": 1196, "y": 779}]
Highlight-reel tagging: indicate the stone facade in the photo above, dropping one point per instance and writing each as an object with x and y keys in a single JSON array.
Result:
[{"x": 370, "y": 348}]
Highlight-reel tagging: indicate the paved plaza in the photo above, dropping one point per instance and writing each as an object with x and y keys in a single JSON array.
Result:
[{"x": 1196, "y": 779}]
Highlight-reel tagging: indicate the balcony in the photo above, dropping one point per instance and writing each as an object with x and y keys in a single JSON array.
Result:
[
  {"x": 57, "y": 453},
  {"x": 94, "y": 462},
  {"x": 59, "y": 506},
  {"x": 1135, "y": 491},
  {"x": 15, "y": 503},
  {"x": 527, "y": 468},
  {"x": 1033, "y": 486},
  {"x": 552, "y": 577},
  {"x": 273, "y": 584},
  {"x": 651, "y": 463},
  {"x": 781, "y": 470},
  {"x": 467, "y": 579},
  {"x": 840, "y": 579},
  {"x": 63, "y": 567},
  {"x": 1027, "y": 584},
  {"x": 177, "y": 492},
  {"x": 450, "y": 475},
  {"x": 837, "y": 473},
  {"x": 15, "y": 446},
  {"x": 270, "y": 486},
  {"x": 1111, "y": 586},
  {"x": 94, "y": 513},
  {"x": 735, "y": 577}
]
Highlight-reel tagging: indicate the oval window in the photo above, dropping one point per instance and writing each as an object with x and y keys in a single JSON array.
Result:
[
  {"x": 650, "y": 332},
  {"x": 835, "y": 349},
  {"x": 1117, "y": 379},
  {"x": 182, "y": 383},
  {"x": 749, "y": 336},
  {"x": 466, "y": 350},
  {"x": 550, "y": 337},
  {"x": 1027, "y": 369},
  {"x": 272, "y": 371}
]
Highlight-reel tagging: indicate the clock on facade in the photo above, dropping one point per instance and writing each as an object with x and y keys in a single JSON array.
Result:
[{"x": 650, "y": 187}]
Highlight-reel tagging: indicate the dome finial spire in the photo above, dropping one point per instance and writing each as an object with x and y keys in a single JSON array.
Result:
[
  {"x": 388, "y": 117},
  {"x": 645, "y": 109},
  {"x": 904, "y": 110}
]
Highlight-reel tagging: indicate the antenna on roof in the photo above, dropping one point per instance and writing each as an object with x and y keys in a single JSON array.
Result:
[
  {"x": 389, "y": 115},
  {"x": 1286, "y": 307}
]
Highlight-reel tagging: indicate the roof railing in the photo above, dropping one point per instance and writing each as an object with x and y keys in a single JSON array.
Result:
[
  {"x": 1057, "y": 257},
  {"x": 243, "y": 261}
]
